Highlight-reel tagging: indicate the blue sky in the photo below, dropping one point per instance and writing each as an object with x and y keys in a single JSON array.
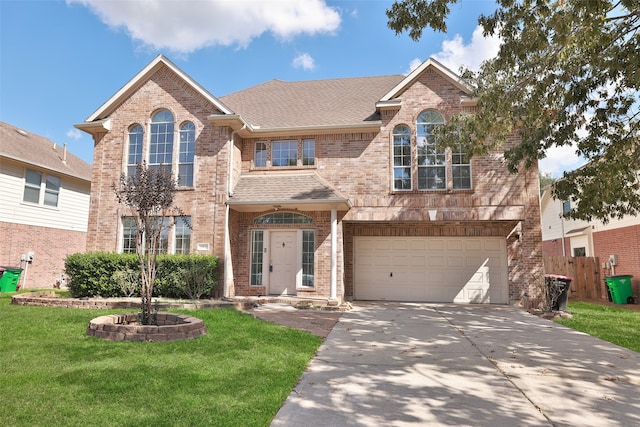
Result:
[{"x": 61, "y": 60}]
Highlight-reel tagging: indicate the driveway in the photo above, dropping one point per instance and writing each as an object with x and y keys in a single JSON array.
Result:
[{"x": 398, "y": 364}]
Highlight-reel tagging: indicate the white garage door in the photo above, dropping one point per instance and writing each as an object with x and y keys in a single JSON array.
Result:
[{"x": 431, "y": 269}]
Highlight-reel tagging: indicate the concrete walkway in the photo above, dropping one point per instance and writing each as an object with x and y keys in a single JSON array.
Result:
[{"x": 395, "y": 364}]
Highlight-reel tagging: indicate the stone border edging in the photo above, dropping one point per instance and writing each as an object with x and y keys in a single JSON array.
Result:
[
  {"x": 122, "y": 327},
  {"x": 51, "y": 299}
]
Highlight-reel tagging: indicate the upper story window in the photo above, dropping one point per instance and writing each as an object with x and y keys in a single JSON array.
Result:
[
  {"x": 431, "y": 155},
  {"x": 185, "y": 155},
  {"x": 155, "y": 146},
  {"x": 402, "y": 158},
  {"x": 161, "y": 143},
  {"x": 308, "y": 152},
  {"x": 41, "y": 188},
  {"x": 260, "y": 155},
  {"x": 284, "y": 153},
  {"x": 436, "y": 167},
  {"x": 136, "y": 140}
]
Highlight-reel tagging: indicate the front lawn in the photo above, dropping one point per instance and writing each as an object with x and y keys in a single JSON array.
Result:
[
  {"x": 617, "y": 325},
  {"x": 239, "y": 374}
]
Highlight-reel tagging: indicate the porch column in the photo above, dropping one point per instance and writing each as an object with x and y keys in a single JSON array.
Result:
[{"x": 334, "y": 255}]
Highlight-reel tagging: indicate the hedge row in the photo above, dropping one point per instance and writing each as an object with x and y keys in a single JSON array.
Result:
[{"x": 108, "y": 274}]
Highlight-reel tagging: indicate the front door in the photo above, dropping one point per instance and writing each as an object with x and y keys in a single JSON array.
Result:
[{"x": 282, "y": 266}]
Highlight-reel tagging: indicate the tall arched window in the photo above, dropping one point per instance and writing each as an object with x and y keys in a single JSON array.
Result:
[
  {"x": 161, "y": 143},
  {"x": 431, "y": 155},
  {"x": 402, "y": 158},
  {"x": 136, "y": 138},
  {"x": 185, "y": 156}
]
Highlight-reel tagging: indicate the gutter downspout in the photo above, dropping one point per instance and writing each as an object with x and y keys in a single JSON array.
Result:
[{"x": 226, "y": 262}]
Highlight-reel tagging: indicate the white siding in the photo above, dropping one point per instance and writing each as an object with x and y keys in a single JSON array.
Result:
[
  {"x": 72, "y": 212},
  {"x": 553, "y": 225}
]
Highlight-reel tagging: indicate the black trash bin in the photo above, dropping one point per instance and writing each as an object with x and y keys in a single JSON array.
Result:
[{"x": 557, "y": 283}]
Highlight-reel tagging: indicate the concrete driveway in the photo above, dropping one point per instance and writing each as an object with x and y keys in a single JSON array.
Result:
[{"x": 397, "y": 364}]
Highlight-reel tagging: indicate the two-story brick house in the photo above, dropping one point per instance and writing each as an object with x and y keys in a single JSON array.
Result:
[{"x": 333, "y": 189}]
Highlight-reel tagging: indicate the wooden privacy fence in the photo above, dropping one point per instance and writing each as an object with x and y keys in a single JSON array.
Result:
[{"x": 585, "y": 272}]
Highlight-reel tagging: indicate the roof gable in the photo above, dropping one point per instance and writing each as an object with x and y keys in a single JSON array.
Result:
[
  {"x": 449, "y": 75},
  {"x": 142, "y": 77},
  {"x": 38, "y": 151}
]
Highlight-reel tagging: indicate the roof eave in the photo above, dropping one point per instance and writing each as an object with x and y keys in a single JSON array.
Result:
[
  {"x": 246, "y": 130},
  {"x": 301, "y": 205},
  {"x": 94, "y": 127}
]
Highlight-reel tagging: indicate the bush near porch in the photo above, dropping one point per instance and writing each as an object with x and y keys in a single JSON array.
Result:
[{"x": 108, "y": 275}]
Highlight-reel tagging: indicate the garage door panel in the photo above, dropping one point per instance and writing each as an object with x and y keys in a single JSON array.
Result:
[{"x": 431, "y": 269}]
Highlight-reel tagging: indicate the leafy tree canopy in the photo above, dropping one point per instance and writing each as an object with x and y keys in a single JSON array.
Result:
[{"x": 567, "y": 73}]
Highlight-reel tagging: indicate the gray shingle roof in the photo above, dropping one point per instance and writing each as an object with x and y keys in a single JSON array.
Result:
[
  {"x": 284, "y": 188},
  {"x": 333, "y": 102},
  {"x": 36, "y": 150}
]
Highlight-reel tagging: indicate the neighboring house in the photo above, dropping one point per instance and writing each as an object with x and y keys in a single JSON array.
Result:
[
  {"x": 331, "y": 189},
  {"x": 617, "y": 241},
  {"x": 44, "y": 205}
]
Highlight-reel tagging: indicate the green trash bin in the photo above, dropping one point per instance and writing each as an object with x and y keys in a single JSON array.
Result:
[
  {"x": 620, "y": 288},
  {"x": 9, "y": 278}
]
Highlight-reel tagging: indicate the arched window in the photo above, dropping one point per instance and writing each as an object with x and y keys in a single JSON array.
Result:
[
  {"x": 402, "y": 158},
  {"x": 431, "y": 155},
  {"x": 185, "y": 156},
  {"x": 161, "y": 144},
  {"x": 283, "y": 218},
  {"x": 136, "y": 138}
]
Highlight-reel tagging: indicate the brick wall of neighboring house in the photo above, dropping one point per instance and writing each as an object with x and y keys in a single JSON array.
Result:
[
  {"x": 49, "y": 245},
  {"x": 204, "y": 202},
  {"x": 625, "y": 243}
]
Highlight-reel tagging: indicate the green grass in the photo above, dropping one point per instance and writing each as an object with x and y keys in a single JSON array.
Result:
[
  {"x": 239, "y": 374},
  {"x": 617, "y": 325}
]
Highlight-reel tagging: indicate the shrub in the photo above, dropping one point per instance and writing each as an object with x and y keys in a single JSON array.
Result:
[{"x": 108, "y": 274}]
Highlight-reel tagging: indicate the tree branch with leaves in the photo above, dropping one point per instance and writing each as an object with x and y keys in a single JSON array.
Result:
[{"x": 566, "y": 74}]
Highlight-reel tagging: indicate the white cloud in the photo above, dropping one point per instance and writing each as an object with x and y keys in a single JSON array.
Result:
[
  {"x": 560, "y": 159},
  {"x": 74, "y": 134},
  {"x": 415, "y": 63},
  {"x": 304, "y": 61},
  {"x": 189, "y": 25},
  {"x": 455, "y": 54}
]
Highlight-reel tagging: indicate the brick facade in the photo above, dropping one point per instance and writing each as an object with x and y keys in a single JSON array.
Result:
[
  {"x": 356, "y": 164},
  {"x": 50, "y": 247}
]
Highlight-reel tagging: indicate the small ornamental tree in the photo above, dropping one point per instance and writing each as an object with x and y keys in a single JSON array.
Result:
[{"x": 149, "y": 195}]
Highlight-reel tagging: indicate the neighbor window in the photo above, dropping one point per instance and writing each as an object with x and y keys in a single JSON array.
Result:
[
  {"x": 161, "y": 144},
  {"x": 185, "y": 156},
  {"x": 34, "y": 182},
  {"x": 402, "y": 158},
  {"x": 257, "y": 250},
  {"x": 431, "y": 155},
  {"x": 136, "y": 139}
]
